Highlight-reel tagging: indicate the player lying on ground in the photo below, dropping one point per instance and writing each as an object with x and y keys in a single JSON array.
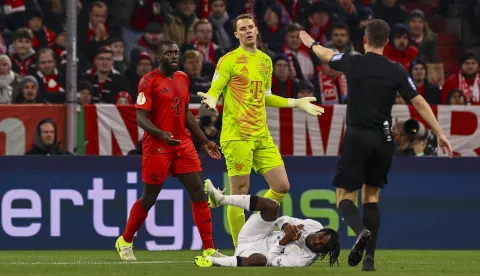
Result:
[
  {"x": 244, "y": 78},
  {"x": 301, "y": 243},
  {"x": 162, "y": 111}
]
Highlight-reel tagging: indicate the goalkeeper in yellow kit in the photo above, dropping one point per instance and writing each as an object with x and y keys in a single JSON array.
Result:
[{"x": 244, "y": 77}]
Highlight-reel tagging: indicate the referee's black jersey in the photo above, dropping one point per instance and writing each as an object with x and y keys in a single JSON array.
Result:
[{"x": 373, "y": 82}]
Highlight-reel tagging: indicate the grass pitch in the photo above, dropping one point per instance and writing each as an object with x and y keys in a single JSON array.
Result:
[{"x": 91, "y": 263}]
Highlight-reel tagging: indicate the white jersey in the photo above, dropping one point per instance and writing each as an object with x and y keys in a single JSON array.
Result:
[{"x": 257, "y": 236}]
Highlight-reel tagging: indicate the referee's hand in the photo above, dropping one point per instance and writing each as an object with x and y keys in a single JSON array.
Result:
[
  {"x": 306, "y": 39},
  {"x": 444, "y": 144}
]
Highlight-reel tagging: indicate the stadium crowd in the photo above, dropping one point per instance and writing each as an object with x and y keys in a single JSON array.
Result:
[{"x": 117, "y": 44}]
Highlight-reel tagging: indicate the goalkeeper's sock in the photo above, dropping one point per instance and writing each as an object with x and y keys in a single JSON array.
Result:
[
  {"x": 278, "y": 197},
  {"x": 351, "y": 215},
  {"x": 137, "y": 216},
  {"x": 226, "y": 261},
  {"x": 371, "y": 221},
  {"x": 236, "y": 220},
  {"x": 203, "y": 220}
]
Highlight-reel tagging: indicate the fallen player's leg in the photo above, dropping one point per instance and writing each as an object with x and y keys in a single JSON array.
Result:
[{"x": 258, "y": 227}]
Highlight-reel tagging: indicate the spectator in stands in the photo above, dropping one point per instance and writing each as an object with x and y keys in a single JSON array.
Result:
[
  {"x": 365, "y": 15},
  {"x": 390, "y": 11},
  {"x": 13, "y": 12},
  {"x": 422, "y": 36},
  {"x": 203, "y": 43},
  {"x": 146, "y": 11},
  {"x": 106, "y": 81},
  {"x": 272, "y": 29},
  {"x": 149, "y": 42},
  {"x": 8, "y": 80},
  {"x": 299, "y": 58},
  {"x": 21, "y": 52},
  {"x": 305, "y": 89},
  {"x": 261, "y": 6},
  {"x": 85, "y": 91},
  {"x": 93, "y": 34},
  {"x": 139, "y": 66},
  {"x": 184, "y": 19},
  {"x": 119, "y": 61},
  {"x": 3, "y": 45},
  {"x": 60, "y": 45},
  {"x": 283, "y": 84},
  {"x": 193, "y": 67},
  {"x": 42, "y": 36},
  {"x": 222, "y": 25},
  {"x": 340, "y": 39},
  {"x": 348, "y": 13},
  {"x": 456, "y": 97},
  {"x": 51, "y": 81},
  {"x": 331, "y": 84},
  {"x": 45, "y": 141},
  {"x": 26, "y": 92},
  {"x": 418, "y": 71},
  {"x": 467, "y": 80},
  {"x": 319, "y": 22},
  {"x": 207, "y": 125},
  {"x": 399, "y": 49},
  {"x": 123, "y": 98}
]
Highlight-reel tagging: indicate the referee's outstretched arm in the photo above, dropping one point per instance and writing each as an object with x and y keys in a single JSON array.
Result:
[{"x": 323, "y": 53}]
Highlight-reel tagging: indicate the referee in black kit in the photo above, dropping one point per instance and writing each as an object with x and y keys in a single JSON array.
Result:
[{"x": 367, "y": 149}]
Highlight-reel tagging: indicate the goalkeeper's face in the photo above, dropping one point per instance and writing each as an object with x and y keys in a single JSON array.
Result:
[{"x": 246, "y": 32}]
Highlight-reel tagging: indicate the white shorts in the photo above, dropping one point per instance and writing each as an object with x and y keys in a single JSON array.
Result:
[{"x": 254, "y": 236}]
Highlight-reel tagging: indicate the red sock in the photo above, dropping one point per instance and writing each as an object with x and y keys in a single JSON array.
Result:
[
  {"x": 137, "y": 216},
  {"x": 203, "y": 219}
]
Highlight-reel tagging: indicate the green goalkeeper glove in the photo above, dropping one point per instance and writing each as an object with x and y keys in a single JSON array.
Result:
[
  {"x": 208, "y": 100},
  {"x": 305, "y": 105}
]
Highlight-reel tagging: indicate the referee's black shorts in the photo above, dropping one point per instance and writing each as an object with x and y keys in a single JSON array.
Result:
[{"x": 365, "y": 158}]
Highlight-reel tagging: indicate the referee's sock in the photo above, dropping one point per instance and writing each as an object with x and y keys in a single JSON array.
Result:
[
  {"x": 351, "y": 215},
  {"x": 371, "y": 221}
]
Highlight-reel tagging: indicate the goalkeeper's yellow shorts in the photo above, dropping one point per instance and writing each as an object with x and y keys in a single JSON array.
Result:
[{"x": 242, "y": 156}]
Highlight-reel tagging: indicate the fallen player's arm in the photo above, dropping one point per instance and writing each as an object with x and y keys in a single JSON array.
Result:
[
  {"x": 146, "y": 124},
  {"x": 193, "y": 127},
  {"x": 309, "y": 225}
]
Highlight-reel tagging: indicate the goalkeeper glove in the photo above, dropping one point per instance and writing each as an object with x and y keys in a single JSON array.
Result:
[
  {"x": 305, "y": 105},
  {"x": 208, "y": 100}
]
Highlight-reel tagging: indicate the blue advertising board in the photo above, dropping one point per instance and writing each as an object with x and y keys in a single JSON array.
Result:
[{"x": 83, "y": 203}]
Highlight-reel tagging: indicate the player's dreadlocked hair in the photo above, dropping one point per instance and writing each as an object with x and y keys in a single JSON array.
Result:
[{"x": 332, "y": 248}]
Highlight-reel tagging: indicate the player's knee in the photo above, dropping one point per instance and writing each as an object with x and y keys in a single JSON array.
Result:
[
  {"x": 239, "y": 188},
  {"x": 282, "y": 188},
  {"x": 271, "y": 205},
  {"x": 197, "y": 194},
  {"x": 257, "y": 260},
  {"x": 148, "y": 200},
  {"x": 370, "y": 194}
]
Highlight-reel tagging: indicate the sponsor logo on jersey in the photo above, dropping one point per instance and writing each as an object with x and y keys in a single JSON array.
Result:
[{"x": 141, "y": 99}]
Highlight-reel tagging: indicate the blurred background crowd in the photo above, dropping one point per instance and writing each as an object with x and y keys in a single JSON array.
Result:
[{"x": 435, "y": 40}]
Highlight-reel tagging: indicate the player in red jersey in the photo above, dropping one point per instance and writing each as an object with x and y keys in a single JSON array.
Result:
[{"x": 162, "y": 111}]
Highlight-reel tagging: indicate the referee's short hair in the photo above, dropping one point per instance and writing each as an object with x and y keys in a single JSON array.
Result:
[{"x": 377, "y": 32}]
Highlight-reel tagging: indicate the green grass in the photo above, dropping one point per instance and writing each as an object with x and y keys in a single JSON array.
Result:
[{"x": 170, "y": 263}]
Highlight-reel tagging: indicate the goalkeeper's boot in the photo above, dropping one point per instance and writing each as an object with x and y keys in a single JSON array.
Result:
[
  {"x": 203, "y": 261},
  {"x": 215, "y": 196},
  {"x": 125, "y": 249},
  {"x": 213, "y": 253},
  {"x": 368, "y": 263},
  {"x": 358, "y": 248}
]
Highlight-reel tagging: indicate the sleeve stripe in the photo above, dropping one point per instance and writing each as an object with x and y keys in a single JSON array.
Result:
[{"x": 268, "y": 92}]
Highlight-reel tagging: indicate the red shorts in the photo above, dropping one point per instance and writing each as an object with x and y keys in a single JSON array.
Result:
[{"x": 156, "y": 167}]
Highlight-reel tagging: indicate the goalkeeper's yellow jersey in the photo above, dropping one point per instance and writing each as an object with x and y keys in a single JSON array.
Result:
[{"x": 243, "y": 78}]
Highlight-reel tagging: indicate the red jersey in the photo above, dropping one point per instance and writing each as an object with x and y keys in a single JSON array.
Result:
[{"x": 166, "y": 99}]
